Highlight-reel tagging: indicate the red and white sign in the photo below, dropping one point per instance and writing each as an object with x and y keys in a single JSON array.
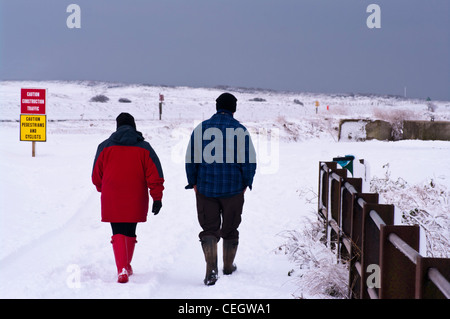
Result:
[{"x": 32, "y": 101}]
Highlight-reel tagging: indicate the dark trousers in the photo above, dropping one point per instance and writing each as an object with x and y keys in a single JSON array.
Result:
[
  {"x": 219, "y": 217},
  {"x": 127, "y": 229}
]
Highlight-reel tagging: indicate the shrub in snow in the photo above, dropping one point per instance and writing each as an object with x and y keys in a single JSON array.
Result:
[
  {"x": 100, "y": 98},
  {"x": 317, "y": 272},
  {"x": 426, "y": 204},
  {"x": 124, "y": 100},
  {"x": 257, "y": 99}
]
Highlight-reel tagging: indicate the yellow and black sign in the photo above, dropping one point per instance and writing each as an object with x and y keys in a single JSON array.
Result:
[{"x": 33, "y": 128}]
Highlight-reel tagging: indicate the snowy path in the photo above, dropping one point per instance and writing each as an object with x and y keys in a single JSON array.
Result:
[
  {"x": 50, "y": 227},
  {"x": 45, "y": 251}
]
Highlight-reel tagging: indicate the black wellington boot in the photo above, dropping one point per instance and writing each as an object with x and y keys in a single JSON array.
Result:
[
  {"x": 209, "y": 246},
  {"x": 229, "y": 252}
]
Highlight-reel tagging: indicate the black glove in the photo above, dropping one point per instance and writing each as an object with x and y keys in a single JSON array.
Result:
[{"x": 156, "y": 207}]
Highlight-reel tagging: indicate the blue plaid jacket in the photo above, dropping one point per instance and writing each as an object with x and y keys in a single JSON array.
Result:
[{"x": 220, "y": 158}]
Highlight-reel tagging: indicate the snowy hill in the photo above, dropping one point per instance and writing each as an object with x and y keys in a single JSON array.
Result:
[{"x": 54, "y": 245}]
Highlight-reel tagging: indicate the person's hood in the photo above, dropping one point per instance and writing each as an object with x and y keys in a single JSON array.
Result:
[{"x": 126, "y": 135}]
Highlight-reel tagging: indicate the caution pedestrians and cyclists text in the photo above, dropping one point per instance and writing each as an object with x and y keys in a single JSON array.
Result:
[{"x": 33, "y": 128}]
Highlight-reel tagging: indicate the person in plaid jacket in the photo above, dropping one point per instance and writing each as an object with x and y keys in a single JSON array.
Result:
[{"x": 220, "y": 166}]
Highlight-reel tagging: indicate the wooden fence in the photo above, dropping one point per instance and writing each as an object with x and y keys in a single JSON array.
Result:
[{"x": 383, "y": 258}]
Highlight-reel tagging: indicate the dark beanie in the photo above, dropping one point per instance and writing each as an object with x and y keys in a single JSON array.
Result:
[
  {"x": 125, "y": 119},
  {"x": 226, "y": 101}
]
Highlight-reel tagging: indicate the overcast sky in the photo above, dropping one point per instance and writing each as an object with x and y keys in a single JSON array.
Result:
[{"x": 296, "y": 45}]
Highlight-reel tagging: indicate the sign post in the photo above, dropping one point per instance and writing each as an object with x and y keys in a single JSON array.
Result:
[
  {"x": 33, "y": 118},
  {"x": 161, "y": 100}
]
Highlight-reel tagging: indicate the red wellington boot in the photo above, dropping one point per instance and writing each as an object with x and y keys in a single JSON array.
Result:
[
  {"x": 131, "y": 241},
  {"x": 123, "y": 247},
  {"x": 119, "y": 244}
]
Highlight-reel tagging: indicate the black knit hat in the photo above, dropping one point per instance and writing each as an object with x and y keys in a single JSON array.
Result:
[
  {"x": 125, "y": 119},
  {"x": 226, "y": 101}
]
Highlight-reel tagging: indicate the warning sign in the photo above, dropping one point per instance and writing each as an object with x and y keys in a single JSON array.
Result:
[
  {"x": 33, "y": 128},
  {"x": 32, "y": 101}
]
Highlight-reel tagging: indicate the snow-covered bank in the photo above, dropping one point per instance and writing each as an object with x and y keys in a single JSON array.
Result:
[{"x": 54, "y": 245}]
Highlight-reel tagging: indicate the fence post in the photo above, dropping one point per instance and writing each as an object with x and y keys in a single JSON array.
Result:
[
  {"x": 334, "y": 205},
  {"x": 359, "y": 200},
  {"x": 348, "y": 203},
  {"x": 324, "y": 175},
  {"x": 425, "y": 288},
  {"x": 370, "y": 245},
  {"x": 349, "y": 187},
  {"x": 397, "y": 270}
]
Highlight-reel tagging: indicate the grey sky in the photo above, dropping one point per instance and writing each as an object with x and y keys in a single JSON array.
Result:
[{"x": 313, "y": 46}]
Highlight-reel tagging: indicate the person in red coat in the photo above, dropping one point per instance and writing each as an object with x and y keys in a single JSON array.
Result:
[{"x": 125, "y": 168}]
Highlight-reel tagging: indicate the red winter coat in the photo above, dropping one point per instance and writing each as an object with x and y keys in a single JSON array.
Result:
[{"x": 125, "y": 167}]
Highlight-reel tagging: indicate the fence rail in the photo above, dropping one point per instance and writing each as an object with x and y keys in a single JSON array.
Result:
[{"x": 383, "y": 258}]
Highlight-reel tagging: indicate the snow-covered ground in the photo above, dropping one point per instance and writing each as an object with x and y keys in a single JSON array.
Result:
[{"x": 53, "y": 244}]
